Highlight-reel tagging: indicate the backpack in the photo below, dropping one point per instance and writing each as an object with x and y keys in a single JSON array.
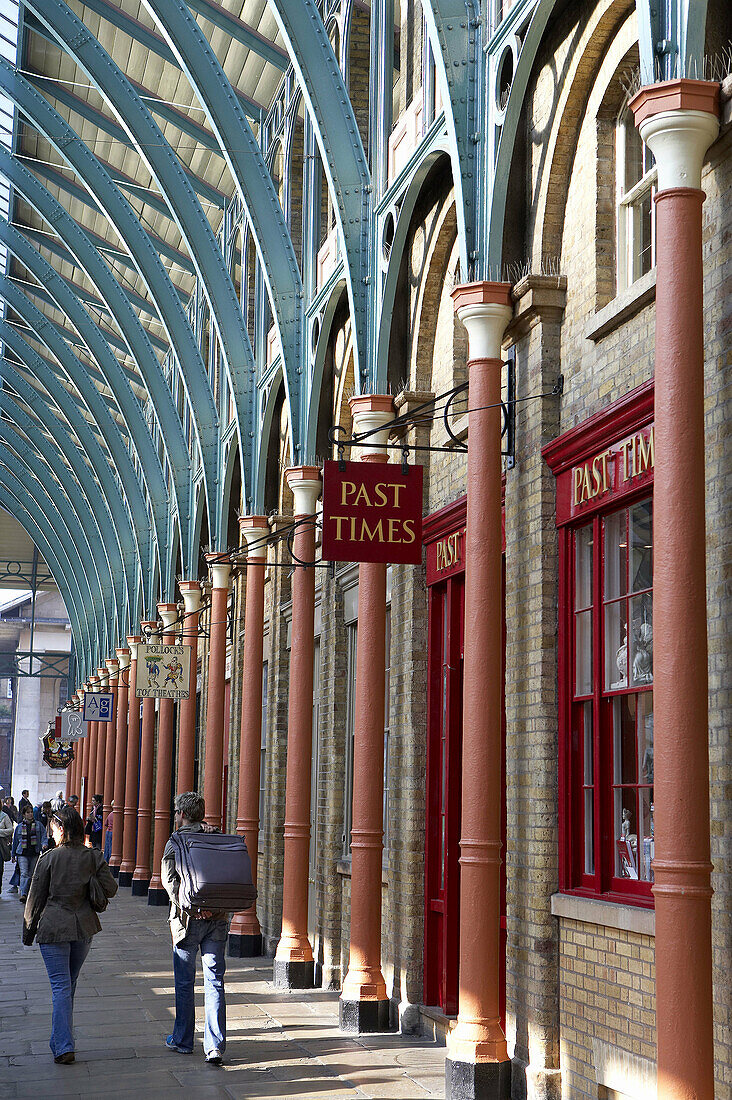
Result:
[{"x": 215, "y": 871}]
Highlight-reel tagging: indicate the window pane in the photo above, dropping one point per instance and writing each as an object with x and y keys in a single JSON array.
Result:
[
  {"x": 641, "y": 542},
  {"x": 588, "y": 770},
  {"x": 646, "y": 834},
  {"x": 589, "y": 831},
  {"x": 616, "y": 646},
  {"x": 624, "y": 746},
  {"x": 633, "y": 154},
  {"x": 626, "y": 846},
  {"x": 616, "y": 555},
  {"x": 583, "y": 568},
  {"x": 583, "y": 653},
  {"x": 588, "y": 745},
  {"x": 641, "y": 613},
  {"x": 645, "y": 737}
]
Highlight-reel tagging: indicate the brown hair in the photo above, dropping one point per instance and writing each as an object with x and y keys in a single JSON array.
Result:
[{"x": 73, "y": 827}]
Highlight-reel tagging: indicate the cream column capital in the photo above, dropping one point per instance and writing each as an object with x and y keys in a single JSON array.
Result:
[
  {"x": 305, "y": 483},
  {"x": 191, "y": 593},
  {"x": 133, "y": 641},
  {"x": 123, "y": 656},
  {"x": 254, "y": 530},
  {"x": 103, "y": 677},
  {"x": 678, "y": 120},
  {"x": 112, "y": 667},
  {"x": 220, "y": 571},
  {"x": 372, "y": 412},
  {"x": 168, "y": 612},
  {"x": 485, "y": 309}
]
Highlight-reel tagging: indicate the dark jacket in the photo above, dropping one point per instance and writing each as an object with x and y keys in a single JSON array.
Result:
[
  {"x": 58, "y": 907},
  {"x": 179, "y": 918}
]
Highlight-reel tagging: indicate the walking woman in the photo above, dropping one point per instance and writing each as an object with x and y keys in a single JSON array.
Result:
[{"x": 58, "y": 913}]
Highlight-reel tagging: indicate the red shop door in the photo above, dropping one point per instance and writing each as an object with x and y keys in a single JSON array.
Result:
[{"x": 444, "y": 766}]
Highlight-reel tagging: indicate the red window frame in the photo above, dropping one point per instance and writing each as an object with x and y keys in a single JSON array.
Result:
[{"x": 607, "y": 430}]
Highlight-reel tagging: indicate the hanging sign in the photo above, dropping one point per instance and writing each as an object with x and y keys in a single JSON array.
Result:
[
  {"x": 98, "y": 706},
  {"x": 163, "y": 671},
  {"x": 372, "y": 512},
  {"x": 56, "y": 753},
  {"x": 72, "y": 725}
]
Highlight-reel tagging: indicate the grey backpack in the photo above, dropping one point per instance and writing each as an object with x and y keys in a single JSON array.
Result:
[{"x": 215, "y": 871}]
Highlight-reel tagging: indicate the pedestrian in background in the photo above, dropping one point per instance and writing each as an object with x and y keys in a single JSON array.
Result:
[
  {"x": 6, "y": 835},
  {"x": 11, "y": 809},
  {"x": 57, "y": 801},
  {"x": 108, "y": 834},
  {"x": 94, "y": 823},
  {"x": 24, "y": 801},
  {"x": 59, "y": 915},
  {"x": 29, "y": 839}
]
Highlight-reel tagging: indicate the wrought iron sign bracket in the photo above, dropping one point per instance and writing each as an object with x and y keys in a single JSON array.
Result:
[{"x": 429, "y": 411}]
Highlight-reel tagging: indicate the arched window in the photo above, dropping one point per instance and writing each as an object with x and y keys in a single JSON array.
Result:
[{"x": 636, "y": 181}]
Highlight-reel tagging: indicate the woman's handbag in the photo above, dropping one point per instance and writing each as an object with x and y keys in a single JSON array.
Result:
[
  {"x": 4, "y": 849},
  {"x": 97, "y": 898}
]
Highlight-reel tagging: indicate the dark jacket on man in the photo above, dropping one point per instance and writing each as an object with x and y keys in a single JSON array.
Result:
[{"x": 58, "y": 907}]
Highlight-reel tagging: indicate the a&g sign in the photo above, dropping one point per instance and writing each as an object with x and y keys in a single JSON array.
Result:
[{"x": 372, "y": 512}]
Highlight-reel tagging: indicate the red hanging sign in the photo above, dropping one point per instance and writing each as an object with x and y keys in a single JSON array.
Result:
[{"x": 372, "y": 512}]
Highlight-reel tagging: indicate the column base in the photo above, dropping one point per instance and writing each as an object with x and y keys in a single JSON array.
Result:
[
  {"x": 363, "y": 1017},
  {"x": 477, "y": 1080},
  {"x": 157, "y": 896},
  {"x": 244, "y": 947},
  {"x": 293, "y": 975},
  {"x": 139, "y": 887},
  {"x": 125, "y": 878},
  {"x": 115, "y": 870}
]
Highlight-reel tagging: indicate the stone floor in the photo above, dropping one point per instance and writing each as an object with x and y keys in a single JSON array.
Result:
[{"x": 278, "y": 1045}]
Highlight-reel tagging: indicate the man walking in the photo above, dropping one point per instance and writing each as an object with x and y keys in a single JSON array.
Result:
[
  {"x": 204, "y": 929},
  {"x": 24, "y": 801},
  {"x": 29, "y": 839}
]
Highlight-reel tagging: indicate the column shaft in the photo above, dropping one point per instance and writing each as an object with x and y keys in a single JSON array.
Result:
[
  {"x": 293, "y": 967},
  {"x": 120, "y": 760},
  {"x": 91, "y": 766},
  {"x": 214, "y": 761},
  {"x": 682, "y": 864},
  {"x": 156, "y": 894},
  {"x": 245, "y": 935},
  {"x": 187, "y": 708},
  {"x": 110, "y": 752},
  {"x": 129, "y": 825}
]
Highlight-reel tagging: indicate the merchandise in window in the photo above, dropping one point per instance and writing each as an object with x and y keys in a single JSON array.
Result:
[{"x": 611, "y": 789}]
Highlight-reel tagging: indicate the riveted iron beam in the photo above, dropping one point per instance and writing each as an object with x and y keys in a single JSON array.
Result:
[{"x": 241, "y": 32}]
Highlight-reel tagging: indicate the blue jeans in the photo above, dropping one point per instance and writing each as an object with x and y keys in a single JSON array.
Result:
[
  {"x": 63, "y": 963},
  {"x": 210, "y": 937},
  {"x": 107, "y": 845},
  {"x": 27, "y": 865}
]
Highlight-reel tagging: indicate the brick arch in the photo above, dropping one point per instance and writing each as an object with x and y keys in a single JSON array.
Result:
[
  {"x": 432, "y": 292},
  {"x": 580, "y": 71}
]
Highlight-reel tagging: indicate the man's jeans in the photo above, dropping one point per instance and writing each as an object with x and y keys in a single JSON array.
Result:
[
  {"x": 63, "y": 963},
  {"x": 27, "y": 865},
  {"x": 210, "y": 937}
]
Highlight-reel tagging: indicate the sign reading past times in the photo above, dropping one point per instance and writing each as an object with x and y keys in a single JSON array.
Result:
[
  {"x": 372, "y": 512},
  {"x": 607, "y": 474}
]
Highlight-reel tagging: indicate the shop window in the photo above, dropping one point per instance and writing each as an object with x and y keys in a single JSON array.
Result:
[
  {"x": 636, "y": 220},
  {"x": 611, "y": 710}
]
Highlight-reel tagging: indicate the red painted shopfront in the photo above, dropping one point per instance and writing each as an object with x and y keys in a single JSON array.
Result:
[
  {"x": 604, "y": 470},
  {"x": 444, "y": 540}
]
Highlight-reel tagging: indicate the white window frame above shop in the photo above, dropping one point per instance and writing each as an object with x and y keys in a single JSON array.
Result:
[{"x": 631, "y": 198}]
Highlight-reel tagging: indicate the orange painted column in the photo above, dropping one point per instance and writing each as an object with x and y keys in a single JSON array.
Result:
[
  {"x": 101, "y": 738},
  {"x": 111, "y": 748},
  {"x": 679, "y": 120},
  {"x": 293, "y": 963},
  {"x": 214, "y": 759},
  {"x": 132, "y": 764},
  {"x": 477, "y": 1063},
  {"x": 95, "y": 684},
  {"x": 84, "y": 761},
  {"x": 245, "y": 934},
  {"x": 141, "y": 877},
  {"x": 156, "y": 894},
  {"x": 120, "y": 759},
  {"x": 364, "y": 1005},
  {"x": 191, "y": 593}
]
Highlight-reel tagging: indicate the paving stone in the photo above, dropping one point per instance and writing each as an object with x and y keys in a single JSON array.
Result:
[{"x": 281, "y": 1045}]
